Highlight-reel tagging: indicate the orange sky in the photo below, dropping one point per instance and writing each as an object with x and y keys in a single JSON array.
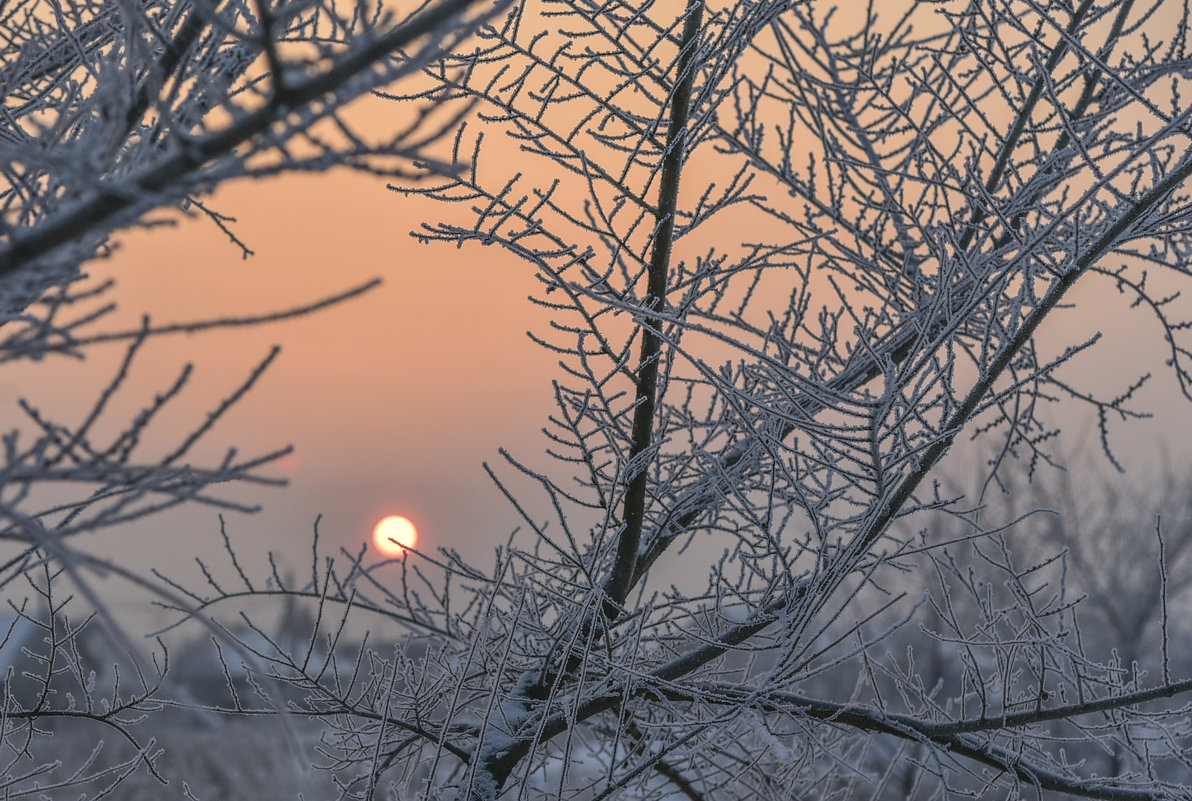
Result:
[{"x": 392, "y": 400}]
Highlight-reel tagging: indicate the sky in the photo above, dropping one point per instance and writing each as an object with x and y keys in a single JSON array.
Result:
[
  {"x": 391, "y": 400},
  {"x": 394, "y": 400}
]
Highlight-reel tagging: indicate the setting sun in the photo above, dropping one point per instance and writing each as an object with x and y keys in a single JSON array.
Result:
[{"x": 393, "y": 534}]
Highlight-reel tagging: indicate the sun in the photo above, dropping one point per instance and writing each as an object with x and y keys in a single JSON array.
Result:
[{"x": 393, "y": 534}]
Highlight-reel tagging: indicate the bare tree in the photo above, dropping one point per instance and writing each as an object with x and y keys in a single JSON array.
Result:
[
  {"x": 793, "y": 254},
  {"x": 1128, "y": 555},
  {"x": 114, "y": 111}
]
